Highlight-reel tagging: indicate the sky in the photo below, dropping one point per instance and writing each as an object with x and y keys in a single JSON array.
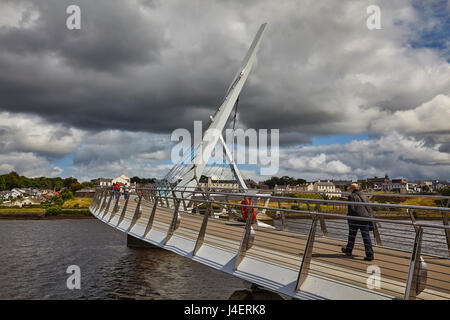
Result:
[{"x": 350, "y": 102}]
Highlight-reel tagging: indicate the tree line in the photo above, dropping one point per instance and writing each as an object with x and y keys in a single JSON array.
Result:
[
  {"x": 13, "y": 180},
  {"x": 284, "y": 181}
]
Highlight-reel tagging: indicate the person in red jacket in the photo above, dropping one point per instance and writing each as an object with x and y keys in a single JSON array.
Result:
[{"x": 246, "y": 210}]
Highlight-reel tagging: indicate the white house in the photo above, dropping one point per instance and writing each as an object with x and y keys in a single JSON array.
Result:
[
  {"x": 122, "y": 180},
  {"x": 105, "y": 182},
  {"x": 322, "y": 186}
]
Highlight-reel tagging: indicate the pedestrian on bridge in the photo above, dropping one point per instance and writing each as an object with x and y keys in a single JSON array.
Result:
[
  {"x": 353, "y": 225},
  {"x": 125, "y": 192},
  {"x": 116, "y": 190}
]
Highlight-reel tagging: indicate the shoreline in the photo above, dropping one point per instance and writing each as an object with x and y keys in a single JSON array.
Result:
[{"x": 42, "y": 216}]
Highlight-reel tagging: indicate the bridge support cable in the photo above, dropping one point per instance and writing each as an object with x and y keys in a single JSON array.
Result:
[
  {"x": 417, "y": 269},
  {"x": 152, "y": 217},
  {"x": 306, "y": 259}
]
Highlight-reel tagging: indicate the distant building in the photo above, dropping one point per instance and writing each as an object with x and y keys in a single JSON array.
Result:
[
  {"x": 324, "y": 187},
  {"x": 397, "y": 185},
  {"x": 21, "y": 202},
  {"x": 439, "y": 184},
  {"x": 85, "y": 193},
  {"x": 209, "y": 183},
  {"x": 263, "y": 186},
  {"x": 342, "y": 185},
  {"x": 105, "y": 182},
  {"x": 250, "y": 183},
  {"x": 375, "y": 183},
  {"x": 122, "y": 180},
  {"x": 289, "y": 188}
]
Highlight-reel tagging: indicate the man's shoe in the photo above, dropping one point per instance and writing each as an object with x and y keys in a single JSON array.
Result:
[
  {"x": 344, "y": 250},
  {"x": 368, "y": 258}
]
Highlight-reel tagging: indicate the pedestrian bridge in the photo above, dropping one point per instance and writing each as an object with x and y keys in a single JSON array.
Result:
[{"x": 411, "y": 257}]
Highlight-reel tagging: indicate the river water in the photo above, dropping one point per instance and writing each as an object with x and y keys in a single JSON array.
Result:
[{"x": 35, "y": 254}]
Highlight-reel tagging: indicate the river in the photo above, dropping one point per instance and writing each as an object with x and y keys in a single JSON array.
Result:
[{"x": 35, "y": 254}]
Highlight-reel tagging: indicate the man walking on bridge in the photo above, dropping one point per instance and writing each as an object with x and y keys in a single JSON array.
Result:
[{"x": 353, "y": 225}]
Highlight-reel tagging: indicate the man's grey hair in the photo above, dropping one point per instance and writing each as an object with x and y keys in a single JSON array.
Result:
[{"x": 354, "y": 186}]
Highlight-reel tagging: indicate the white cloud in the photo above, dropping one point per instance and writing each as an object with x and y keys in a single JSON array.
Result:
[
  {"x": 28, "y": 164},
  {"x": 17, "y": 14},
  {"x": 393, "y": 153},
  {"x": 28, "y": 133},
  {"x": 432, "y": 117}
]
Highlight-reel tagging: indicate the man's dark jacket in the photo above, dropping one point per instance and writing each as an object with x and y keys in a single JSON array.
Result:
[{"x": 359, "y": 211}]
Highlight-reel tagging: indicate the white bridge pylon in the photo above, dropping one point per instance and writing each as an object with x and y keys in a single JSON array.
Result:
[{"x": 203, "y": 154}]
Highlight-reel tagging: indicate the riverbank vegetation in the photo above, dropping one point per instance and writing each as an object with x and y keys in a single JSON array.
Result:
[{"x": 63, "y": 205}]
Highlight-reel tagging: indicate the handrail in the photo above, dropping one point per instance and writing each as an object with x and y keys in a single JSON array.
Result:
[
  {"x": 314, "y": 200},
  {"x": 233, "y": 190},
  {"x": 324, "y": 214}
]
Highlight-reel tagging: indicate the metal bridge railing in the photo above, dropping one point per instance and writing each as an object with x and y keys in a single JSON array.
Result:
[{"x": 412, "y": 237}]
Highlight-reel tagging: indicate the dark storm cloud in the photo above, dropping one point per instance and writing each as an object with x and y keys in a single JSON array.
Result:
[
  {"x": 94, "y": 81},
  {"x": 113, "y": 35},
  {"x": 156, "y": 66}
]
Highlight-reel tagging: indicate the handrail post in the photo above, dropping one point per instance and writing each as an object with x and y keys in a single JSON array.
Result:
[
  {"x": 445, "y": 222},
  {"x": 175, "y": 219},
  {"x": 323, "y": 226},
  {"x": 167, "y": 199},
  {"x": 95, "y": 200},
  {"x": 93, "y": 205},
  {"x": 103, "y": 205},
  {"x": 122, "y": 214},
  {"x": 247, "y": 239},
  {"x": 184, "y": 203},
  {"x": 306, "y": 259},
  {"x": 137, "y": 213},
  {"x": 152, "y": 217},
  {"x": 230, "y": 213},
  {"x": 413, "y": 282},
  {"x": 108, "y": 205},
  {"x": 412, "y": 219},
  {"x": 376, "y": 234},
  {"x": 283, "y": 217},
  {"x": 201, "y": 233},
  {"x": 115, "y": 211},
  {"x": 116, "y": 205},
  {"x": 99, "y": 199}
]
